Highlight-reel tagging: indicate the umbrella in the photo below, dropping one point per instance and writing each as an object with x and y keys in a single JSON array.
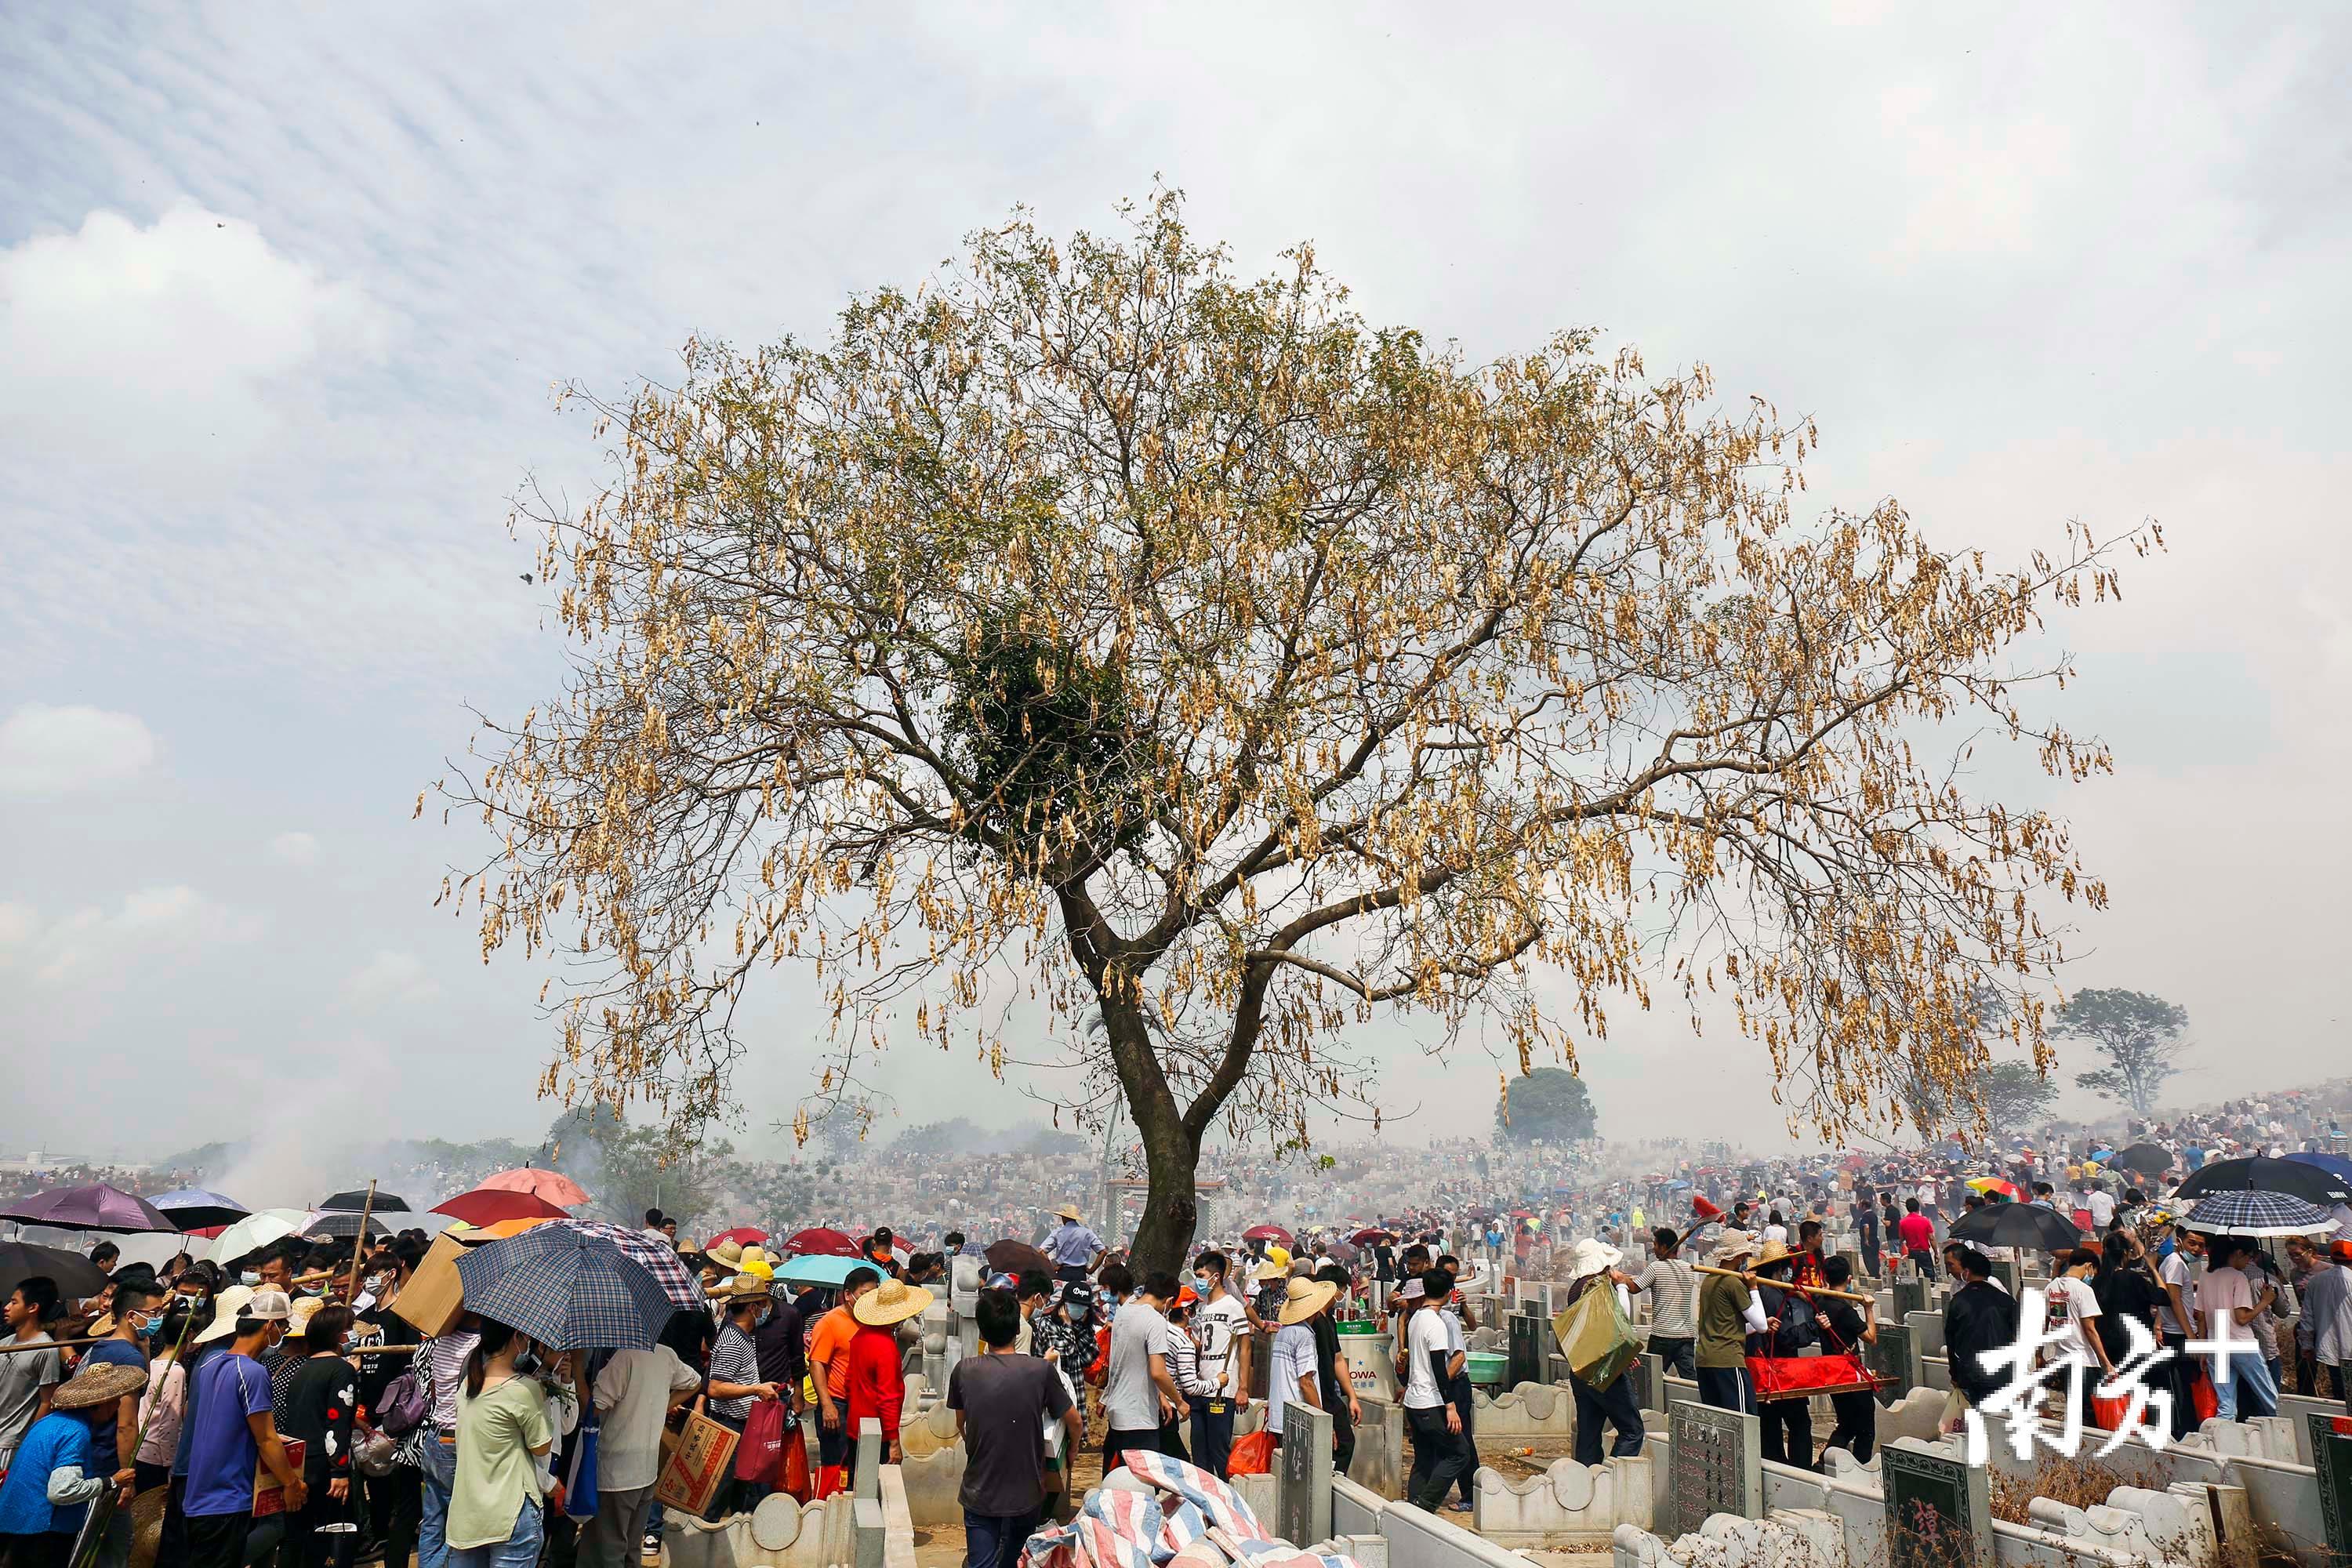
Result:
[
  {"x": 2257, "y": 1214},
  {"x": 1010, "y": 1256},
  {"x": 192, "y": 1208},
  {"x": 357, "y": 1200},
  {"x": 820, "y": 1242},
  {"x": 817, "y": 1268},
  {"x": 343, "y": 1223},
  {"x": 75, "y": 1276},
  {"x": 2334, "y": 1164},
  {"x": 567, "y": 1291},
  {"x": 651, "y": 1253},
  {"x": 1372, "y": 1236},
  {"x": 484, "y": 1206},
  {"x": 741, "y": 1236},
  {"x": 1995, "y": 1185},
  {"x": 1273, "y": 1233},
  {"x": 1342, "y": 1252},
  {"x": 94, "y": 1207},
  {"x": 561, "y": 1191},
  {"x": 2147, "y": 1159},
  {"x": 498, "y": 1230},
  {"x": 2254, "y": 1174},
  {"x": 255, "y": 1231},
  {"x": 2018, "y": 1224}
]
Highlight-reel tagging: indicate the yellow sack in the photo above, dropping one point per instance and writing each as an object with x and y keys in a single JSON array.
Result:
[{"x": 1595, "y": 1336}]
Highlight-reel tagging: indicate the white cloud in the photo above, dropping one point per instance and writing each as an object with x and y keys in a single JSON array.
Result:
[
  {"x": 296, "y": 849},
  {"x": 152, "y": 925},
  {"x": 48, "y": 751},
  {"x": 392, "y": 977},
  {"x": 163, "y": 348}
]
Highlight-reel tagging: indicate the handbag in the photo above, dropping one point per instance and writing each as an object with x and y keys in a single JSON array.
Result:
[
  {"x": 1252, "y": 1455},
  {"x": 401, "y": 1408},
  {"x": 580, "y": 1479},
  {"x": 795, "y": 1477},
  {"x": 761, "y": 1446}
]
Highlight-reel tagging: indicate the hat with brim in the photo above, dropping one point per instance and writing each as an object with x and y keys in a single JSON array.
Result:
[
  {"x": 227, "y": 1308},
  {"x": 1306, "y": 1298},
  {"x": 1069, "y": 1212},
  {"x": 1730, "y": 1246},
  {"x": 1413, "y": 1290},
  {"x": 728, "y": 1254},
  {"x": 742, "y": 1287},
  {"x": 1268, "y": 1272},
  {"x": 892, "y": 1301},
  {"x": 297, "y": 1320},
  {"x": 1590, "y": 1257},
  {"x": 1774, "y": 1252},
  {"x": 100, "y": 1384}
]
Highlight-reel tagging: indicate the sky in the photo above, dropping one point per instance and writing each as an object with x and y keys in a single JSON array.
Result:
[{"x": 284, "y": 295}]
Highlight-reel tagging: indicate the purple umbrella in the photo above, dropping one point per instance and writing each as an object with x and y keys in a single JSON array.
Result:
[{"x": 94, "y": 1207}]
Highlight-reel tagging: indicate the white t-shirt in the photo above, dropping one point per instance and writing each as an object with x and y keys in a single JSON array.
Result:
[
  {"x": 1214, "y": 1328},
  {"x": 631, "y": 1395},
  {"x": 1130, "y": 1401},
  {"x": 2102, "y": 1206},
  {"x": 1424, "y": 1336},
  {"x": 2073, "y": 1304},
  {"x": 1293, "y": 1364},
  {"x": 1454, "y": 1341},
  {"x": 1926, "y": 1194},
  {"x": 2174, "y": 1270}
]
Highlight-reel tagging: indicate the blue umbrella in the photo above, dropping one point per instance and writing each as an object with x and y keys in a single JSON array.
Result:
[
  {"x": 568, "y": 1291},
  {"x": 2334, "y": 1164},
  {"x": 813, "y": 1268},
  {"x": 192, "y": 1208}
]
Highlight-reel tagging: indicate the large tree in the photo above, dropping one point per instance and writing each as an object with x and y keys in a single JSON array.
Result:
[
  {"x": 2137, "y": 1033},
  {"x": 1095, "y": 628},
  {"x": 1550, "y": 1103}
]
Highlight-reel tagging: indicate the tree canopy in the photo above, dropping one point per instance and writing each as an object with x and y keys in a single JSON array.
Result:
[
  {"x": 2138, "y": 1034},
  {"x": 1549, "y": 1103},
  {"x": 1094, "y": 630}
]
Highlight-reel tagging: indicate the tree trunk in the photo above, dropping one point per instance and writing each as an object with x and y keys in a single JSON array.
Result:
[{"x": 1171, "y": 1155}]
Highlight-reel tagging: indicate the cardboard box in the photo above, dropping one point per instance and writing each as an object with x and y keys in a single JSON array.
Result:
[
  {"x": 435, "y": 1299},
  {"x": 268, "y": 1496},
  {"x": 701, "y": 1462}
]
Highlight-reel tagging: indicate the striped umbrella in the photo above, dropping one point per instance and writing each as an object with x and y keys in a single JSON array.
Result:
[
  {"x": 2257, "y": 1214},
  {"x": 566, "y": 1291},
  {"x": 652, "y": 1253}
]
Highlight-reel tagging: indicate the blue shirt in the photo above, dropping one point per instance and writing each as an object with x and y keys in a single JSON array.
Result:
[
  {"x": 54, "y": 1441},
  {"x": 222, "y": 1454},
  {"x": 103, "y": 1460},
  {"x": 1072, "y": 1245}
]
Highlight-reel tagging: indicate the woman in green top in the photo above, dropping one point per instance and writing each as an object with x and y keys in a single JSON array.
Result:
[{"x": 502, "y": 1427}]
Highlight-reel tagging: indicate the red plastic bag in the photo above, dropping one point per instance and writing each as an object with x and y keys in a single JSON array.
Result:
[
  {"x": 1253, "y": 1455},
  {"x": 2207, "y": 1403},
  {"x": 1786, "y": 1374},
  {"x": 797, "y": 1466},
  {"x": 761, "y": 1447}
]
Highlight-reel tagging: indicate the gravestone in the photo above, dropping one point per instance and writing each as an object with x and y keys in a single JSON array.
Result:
[
  {"x": 869, "y": 1459},
  {"x": 868, "y": 1527},
  {"x": 1715, "y": 1465},
  {"x": 1525, "y": 1355},
  {"x": 1302, "y": 1475},
  {"x": 1938, "y": 1510},
  {"x": 1890, "y": 1357},
  {"x": 2331, "y": 1459},
  {"x": 1910, "y": 1296},
  {"x": 1650, "y": 1389},
  {"x": 2005, "y": 1269}
]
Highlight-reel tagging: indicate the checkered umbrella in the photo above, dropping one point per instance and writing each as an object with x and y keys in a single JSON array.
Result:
[
  {"x": 652, "y": 1253},
  {"x": 2257, "y": 1214},
  {"x": 566, "y": 1291}
]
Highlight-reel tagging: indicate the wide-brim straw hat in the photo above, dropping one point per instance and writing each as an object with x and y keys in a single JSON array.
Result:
[
  {"x": 1306, "y": 1298},
  {"x": 227, "y": 1305},
  {"x": 1268, "y": 1272},
  {"x": 727, "y": 1253},
  {"x": 1730, "y": 1245},
  {"x": 100, "y": 1384},
  {"x": 742, "y": 1287},
  {"x": 1774, "y": 1252},
  {"x": 1069, "y": 1212},
  {"x": 892, "y": 1301}
]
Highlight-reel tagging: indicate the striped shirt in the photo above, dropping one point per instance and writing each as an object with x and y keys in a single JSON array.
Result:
[
  {"x": 445, "y": 1363},
  {"x": 1674, "y": 1298},
  {"x": 734, "y": 1359}
]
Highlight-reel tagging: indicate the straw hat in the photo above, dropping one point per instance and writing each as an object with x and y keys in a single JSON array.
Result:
[
  {"x": 1590, "y": 1257},
  {"x": 1306, "y": 1298},
  {"x": 1730, "y": 1245},
  {"x": 758, "y": 1254},
  {"x": 297, "y": 1318},
  {"x": 727, "y": 1255},
  {"x": 100, "y": 1384},
  {"x": 892, "y": 1301},
  {"x": 1774, "y": 1252},
  {"x": 1268, "y": 1272},
  {"x": 226, "y": 1306},
  {"x": 742, "y": 1287},
  {"x": 1069, "y": 1212}
]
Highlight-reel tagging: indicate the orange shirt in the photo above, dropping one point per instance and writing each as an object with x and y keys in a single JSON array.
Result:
[{"x": 830, "y": 1349}]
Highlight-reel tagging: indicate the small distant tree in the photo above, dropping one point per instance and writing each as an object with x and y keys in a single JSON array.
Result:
[
  {"x": 2014, "y": 1094},
  {"x": 1550, "y": 1104},
  {"x": 2140, "y": 1036}
]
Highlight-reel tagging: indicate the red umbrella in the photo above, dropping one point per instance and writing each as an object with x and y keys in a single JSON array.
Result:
[
  {"x": 561, "y": 1191},
  {"x": 1370, "y": 1235},
  {"x": 486, "y": 1205},
  {"x": 820, "y": 1242},
  {"x": 1273, "y": 1233},
  {"x": 741, "y": 1236}
]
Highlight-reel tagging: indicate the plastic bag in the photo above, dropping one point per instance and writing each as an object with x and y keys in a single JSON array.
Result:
[
  {"x": 795, "y": 1474},
  {"x": 1253, "y": 1455},
  {"x": 1594, "y": 1336},
  {"x": 761, "y": 1447}
]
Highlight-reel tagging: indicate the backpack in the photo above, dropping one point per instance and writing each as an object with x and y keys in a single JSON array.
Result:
[{"x": 405, "y": 1401}]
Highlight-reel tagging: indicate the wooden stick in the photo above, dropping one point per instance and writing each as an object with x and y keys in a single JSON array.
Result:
[
  {"x": 1807, "y": 1289},
  {"x": 13, "y": 1348},
  {"x": 359, "y": 1242}
]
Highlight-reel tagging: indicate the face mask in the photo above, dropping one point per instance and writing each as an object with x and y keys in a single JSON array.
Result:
[
  {"x": 1204, "y": 1285},
  {"x": 147, "y": 1329},
  {"x": 375, "y": 1283},
  {"x": 248, "y": 1280},
  {"x": 761, "y": 1321}
]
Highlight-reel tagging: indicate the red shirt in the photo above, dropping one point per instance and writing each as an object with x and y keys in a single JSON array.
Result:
[
  {"x": 1919, "y": 1233},
  {"x": 876, "y": 1386}
]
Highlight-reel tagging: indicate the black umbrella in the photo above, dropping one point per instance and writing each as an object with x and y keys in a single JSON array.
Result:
[
  {"x": 341, "y": 1224},
  {"x": 2256, "y": 1174},
  {"x": 77, "y": 1276},
  {"x": 2147, "y": 1159},
  {"x": 2027, "y": 1226},
  {"x": 357, "y": 1200}
]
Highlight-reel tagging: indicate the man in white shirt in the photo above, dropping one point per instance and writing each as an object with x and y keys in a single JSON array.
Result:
[
  {"x": 1439, "y": 1455},
  {"x": 634, "y": 1396},
  {"x": 2073, "y": 1304},
  {"x": 1221, "y": 1330},
  {"x": 2102, "y": 1204}
]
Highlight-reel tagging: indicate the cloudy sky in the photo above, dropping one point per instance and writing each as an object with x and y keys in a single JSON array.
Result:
[{"x": 282, "y": 296}]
